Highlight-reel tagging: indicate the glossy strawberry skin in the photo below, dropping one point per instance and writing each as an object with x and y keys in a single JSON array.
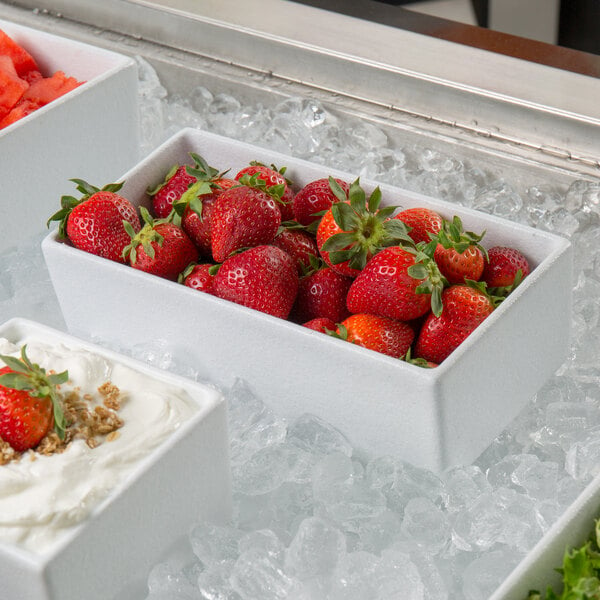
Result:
[
  {"x": 242, "y": 217},
  {"x": 315, "y": 197},
  {"x": 272, "y": 177},
  {"x": 24, "y": 420},
  {"x": 385, "y": 288},
  {"x": 464, "y": 309},
  {"x": 263, "y": 278},
  {"x": 456, "y": 267},
  {"x": 298, "y": 244},
  {"x": 200, "y": 279},
  {"x": 381, "y": 334},
  {"x": 322, "y": 294},
  {"x": 171, "y": 257},
  {"x": 422, "y": 222},
  {"x": 96, "y": 225},
  {"x": 198, "y": 226},
  {"x": 321, "y": 324},
  {"x": 504, "y": 262}
]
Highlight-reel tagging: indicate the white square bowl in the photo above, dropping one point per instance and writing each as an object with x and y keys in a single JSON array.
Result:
[
  {"x": 184, "y": 479},
  {"x": 434, "y": 418},
  {"x": 90, "y": 133},
  {"x": 537, "y": 571}
]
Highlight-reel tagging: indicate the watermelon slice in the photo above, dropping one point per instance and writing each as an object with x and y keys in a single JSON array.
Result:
[
  {"x": 23, "y": 88},
  {"x": 48, "y": 89},
  {"x": 12, "y": 87},
  {"x": 23, "y": 61},
  {"x": 20, "y": 110}
]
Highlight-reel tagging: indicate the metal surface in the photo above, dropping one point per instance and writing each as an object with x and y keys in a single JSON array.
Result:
[{"x": 483, "y": 92}]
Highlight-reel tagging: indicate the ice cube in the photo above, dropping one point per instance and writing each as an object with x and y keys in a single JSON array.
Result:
[
  {"x": 257, "y": 575},
  {"x": 314, "y": 435},
  {"x": 426, "y": 525},
  {"x": 315, "y": 550}
]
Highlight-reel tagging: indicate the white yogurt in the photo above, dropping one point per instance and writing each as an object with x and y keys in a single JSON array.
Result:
[{"x": 41, "y": 499}]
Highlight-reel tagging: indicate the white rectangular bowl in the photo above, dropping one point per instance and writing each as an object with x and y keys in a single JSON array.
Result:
[
  {"x": 91, "y": 133},
  {"x": 537, "y": 571},
  {"x": 432, "y": 417},
  {"x": 185, "y": 479}
]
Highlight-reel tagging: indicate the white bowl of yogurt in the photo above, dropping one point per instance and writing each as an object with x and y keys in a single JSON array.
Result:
[{"x": 90, "y": 521}]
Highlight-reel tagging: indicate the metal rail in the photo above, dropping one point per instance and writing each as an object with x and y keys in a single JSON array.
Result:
[{"x": 493, "y": 86}]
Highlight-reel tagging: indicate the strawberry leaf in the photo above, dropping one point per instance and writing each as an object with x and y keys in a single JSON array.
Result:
[
  {"x": 15, "y": 364},
  {"x": 16, "y": 381},
  {"x": 375, "y": 200},
  {"x": 339, "y": 241},
  {"x": 337, "y": 190},
  {"x": 152, "y": 191},
  {"x": 344, "y": 216},
  {"x": 357, "y": 197}
]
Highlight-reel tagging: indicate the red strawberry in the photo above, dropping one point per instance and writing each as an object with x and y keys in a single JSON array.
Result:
[
  {"x": 380, "y": 334},
  {"x": 465, "y": 307},
  {"x": 263, "y": 278},
  {"x": 458, "y": 254},
  {"x": 29, "y": 403},
  {"x": 160, "y": 248},
  {"x": 195, "y": 209},
  {"x": 177, "y": 181},
  {"x": 95, "y": 222},
  {"x": 315, "y": 197},
  {"x": 422, "y": 222},
  {"x": 321, "y": 324},
  {"x": 354, "y": 229},
  {"x": 385, "y": 287},
  {"x": 503, "y": 265},
  {"x": 299, "y": 244},
  {"x": 322, "y": 293},
  {"x": 198, "y": 277},
  {"x": 242, "y": 216},
  {"x": 272, "y": 176}
]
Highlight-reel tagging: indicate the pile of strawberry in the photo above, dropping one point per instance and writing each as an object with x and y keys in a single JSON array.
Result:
[
  {"x": 409, "y": 284},
  {"x": 23, "y": 88}
]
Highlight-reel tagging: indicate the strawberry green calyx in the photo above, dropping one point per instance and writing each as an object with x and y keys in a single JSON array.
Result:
[
  {"x": 200, "y": 170},
  {"x": 192, "y": 198},
  {"x": 68, "y": 203},
  {"x": 490, "y": 293},
  {"x": 340, "y": 334},
  {"x": 417, "y": 360},
  {"x": 33, "y": 379},
  {"x": 255, "y": 181},
  {"x": 498, "y": 294},
  {"x": 366, "y": 228},
  {"x": 144, "y": 237},
  {"x": 453, "y": 235},
  {"x": 315, "y": 263},
  {"x": 425, "y": 268},
  {"x": 280, "y": 170}
]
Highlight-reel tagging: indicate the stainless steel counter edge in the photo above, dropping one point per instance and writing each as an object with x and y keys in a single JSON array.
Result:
[{"x": 494, "y": 95}]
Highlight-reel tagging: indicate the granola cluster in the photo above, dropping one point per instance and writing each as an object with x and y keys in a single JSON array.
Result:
[{"x": 93, "y": 424}]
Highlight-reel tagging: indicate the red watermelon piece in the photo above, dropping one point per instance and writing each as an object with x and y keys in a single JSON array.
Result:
[
  {"x": 47, "y": 89},
  {"x": 12, "y": 87},
  {"x": 22, "y": 60},
  {"x": 20, "y": 110}
]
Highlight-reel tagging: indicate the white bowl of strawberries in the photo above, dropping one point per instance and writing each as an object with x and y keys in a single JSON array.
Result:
[{"x": 367, "y": 305}]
